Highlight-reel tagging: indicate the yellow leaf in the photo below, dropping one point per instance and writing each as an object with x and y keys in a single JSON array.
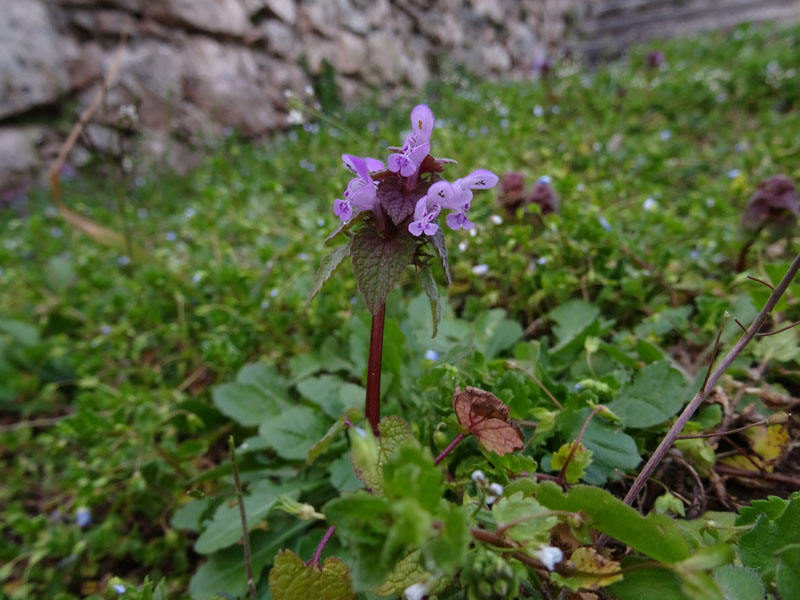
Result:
[
  {"x": 588, "y": 560},
  {"x": 768, "y": 442}
]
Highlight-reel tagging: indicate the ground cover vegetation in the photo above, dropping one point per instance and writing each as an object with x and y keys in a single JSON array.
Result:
[{"x": 612, "y": 268}]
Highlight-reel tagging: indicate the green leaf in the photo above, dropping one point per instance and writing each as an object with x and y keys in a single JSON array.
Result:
[
  {"x": 577, "y": 465},
  {"x": 187, "y": 517},
  {"x": 327, "y": 267},
  {"x": 225, "y": 527},
  {"x": 429, "y": 286},
  {"x": 378, "y": 263},
  {"x": 655, "y": 396},
  {"x": 707, "y": 558},
  {"x": 59, "y": 274},
  {"x": 438, "y": 242},
  {"x": 771, "y": 506},
  {"x": 655, "y": 535},
  {"x": 699, "y": 586},
  {"x": 409, "y": 472},
  {"x": 758, "y": 547},
  {"x": 650, "y": 583},
  {"x": 407, "y": 572},
  {"x": 224, "y": 571},
  {"x": 788, "y": 571},
  {"x": 369, "y": 463},
  {"x": 293, "y": 432},
  {"x": 530, "y": 531},
  {"x": 323, "y": 444},
  {"x": 243, "y": 403},
  {"x": 667, "y": 503},
  {"x": 334, "y": 395},
  {"x": 611, "y": 448},
  {"x": 448, "y": 549},
  {"x": 291, "y": 579},
  {"x": 739, "y": 583},
  {"x": 25, "y": 334},
  {"x": 258, "y": 392},
  {"x": 572, "y": 319}
]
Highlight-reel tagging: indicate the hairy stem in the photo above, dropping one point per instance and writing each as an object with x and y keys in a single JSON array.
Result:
[
  {"x": 248, "y": 561},
  {"x": 372, "y": 410},
  {"x": 456, "y": 441},
  {"x": 316, "y": 560},
  {"x": 702, "y": 394}
]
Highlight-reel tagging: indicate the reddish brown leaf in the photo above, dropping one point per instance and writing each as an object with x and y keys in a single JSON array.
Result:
[
  {"x": 774, "y": 203},
  {"x": 486, "y": 417}
]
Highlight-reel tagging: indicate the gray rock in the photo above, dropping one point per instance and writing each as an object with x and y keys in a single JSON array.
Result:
[
  {"x": 283, "y": 9},
  {"x": 19, "y": 160},
  {"x": 227, "y": 17},
  {"x": 281, "y": 40},
  {"x": 225, "y": 81},
  {"x": 33, "y": 57}
]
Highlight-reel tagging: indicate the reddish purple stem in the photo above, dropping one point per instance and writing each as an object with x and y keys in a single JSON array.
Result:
[
  {"x": 372, "y": 410},
  {"x": 317, "y": 559},
  {"x": 456, "y": 441}
]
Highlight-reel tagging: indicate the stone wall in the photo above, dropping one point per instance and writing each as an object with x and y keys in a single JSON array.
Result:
[{"x": 194, "y": 68}]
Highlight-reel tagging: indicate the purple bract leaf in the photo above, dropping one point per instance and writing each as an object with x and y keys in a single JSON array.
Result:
[{"x": 396, "y": 202}]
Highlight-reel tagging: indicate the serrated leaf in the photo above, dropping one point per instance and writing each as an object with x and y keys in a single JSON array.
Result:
[
  {"x": 327, "y": 267},
  {"x": 533, "y": 530},
  {"x": 655, "y": 535},
  {"x": 656, "y": 395},
  {"x": 369, "y": 464},
  {"x": 343, "y": 227},
  {"x": 225, "y": 527},
  {"x": 291, "y": 579},
  {"x": 429, "y": 286},
  {"x": 486, "y": 417},
  {"x": 589, "y": 560},
  {"x": 758, "y": 547},
  {"x": 378, "y": 263},
  {"x": 396, "y": 202},
  {"x": 439, "y": 244},
  {"x": 771, "y": 506},
  {"x": 788, "y": 572},
  {"x": 577, "y": 465},
  {"x": 739, "y": 583},
  {"x": 406, "y": 572}
]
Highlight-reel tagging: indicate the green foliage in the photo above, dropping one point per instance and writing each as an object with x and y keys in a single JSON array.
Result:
[
  {"x": 655, "y": 395},
  {"x": 533, "y": 527},
  {"x": 769, "y": 538}
]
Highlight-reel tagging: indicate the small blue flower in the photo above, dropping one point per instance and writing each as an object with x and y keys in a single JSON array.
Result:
[
  {"x": 432, "y": 355},
  {"x": 171, "y": 236},
  {"x": 480, "y": 269},
  {"x": 119, "y": 588},
  {"x": 538, "y": 110},
  {"x": 733, "y": 173},
  {"x": 83, "y": 517},
  {"x": 604, "y": 223},
  {"x": 666, "y": 134},
  {"x": 123, "y": 260},
  {"x": 650, "y": 205}
]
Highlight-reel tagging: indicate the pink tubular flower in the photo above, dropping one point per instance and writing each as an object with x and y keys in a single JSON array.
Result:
[{"x": 360, "y": 192}]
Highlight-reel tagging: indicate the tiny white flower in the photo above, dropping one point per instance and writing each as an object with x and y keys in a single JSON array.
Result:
[
  {"x": 295, "y": 117},
  {"x": 320, "y": 222},
  {"x": 273, "y": 292},
  {"x": 490, "y": 499},
  {"x": 473, "y": 232},
  {"x": 550, "y": 556},
  {"x": 496, "y": 219},
  {"x": 462, "y": 246},
  {"x": 416, "y": 591},
  {"x": 650, "y": 205},
  {"x": 546, "y": 179},
  {"x": 542, "y": 260},
  {"x": 265, "y": 305},
  {"x": 478, "y": 476},
  {"x": 538, "y": 110},
  {"x": 496, "y": 489},
  {"x": 360, "y": 431},
  {"x": 189, "y": 212},
  {"x": 480, "y": 269}
]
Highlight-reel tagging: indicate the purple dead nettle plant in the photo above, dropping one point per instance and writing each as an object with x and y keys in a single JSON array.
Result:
[{"x": 391, "y": 217}]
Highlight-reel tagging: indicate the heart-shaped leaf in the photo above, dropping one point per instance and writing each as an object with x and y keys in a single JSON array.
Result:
[
  {"x": 486, "y": 417},
  {"x": 291, "y": 579}
]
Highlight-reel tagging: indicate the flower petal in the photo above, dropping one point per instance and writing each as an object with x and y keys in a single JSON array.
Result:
[
  {"x": 454, "y": 220},
  {"x": 373, "y": 164},
  {"x": 443, "y": 194},
  {"x": 357, "y": 166},
  {"x": 415, "y": 227},
  {"x": 431, "y": 228},
  {"x": 421, "y": 209},
  {"x": 364, "y": 197},
  {"x": 422, "y": 122},
  {"x": 482, "y": 179},
  {"x": 394, "y": 162},
  {"x": 418, "y": 154}
]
